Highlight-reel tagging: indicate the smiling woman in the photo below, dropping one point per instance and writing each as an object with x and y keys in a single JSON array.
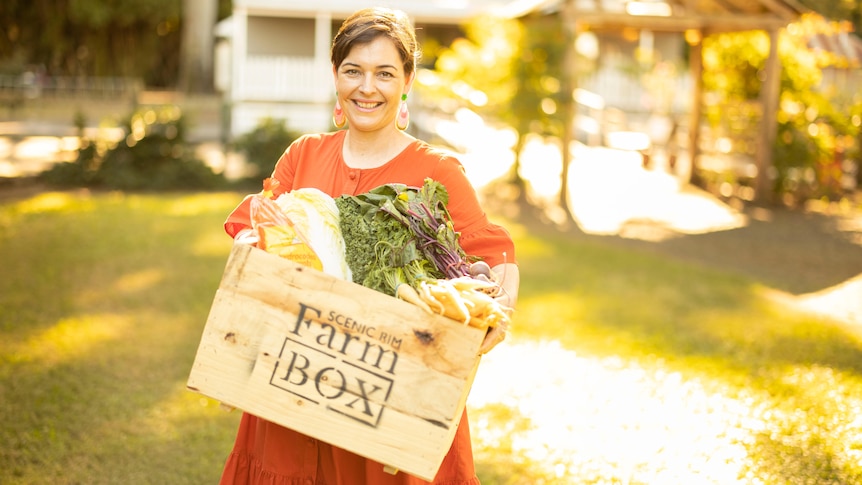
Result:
[{"x": 373, "y": 67}]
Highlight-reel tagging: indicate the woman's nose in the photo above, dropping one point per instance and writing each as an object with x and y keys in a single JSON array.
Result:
[{"x": 367, "y": 83}]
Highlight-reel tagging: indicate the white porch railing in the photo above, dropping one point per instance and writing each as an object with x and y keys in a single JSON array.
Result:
[
  {"x": 284, "y": 79},
  {"x": 627, "y": 93}
]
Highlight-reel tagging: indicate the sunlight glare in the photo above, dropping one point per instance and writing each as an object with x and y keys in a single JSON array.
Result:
[
  {"x": 842, "y": 302},
  {"x": 212, "y": 243},
  {"x": 608, "y": 417},
  {"x": 37, "y": 146},
  {"x": 53, "y": 202},
  {"x": 607, "y": 188},
  {"x": 139, "y": 281},
  {"x": 5, "y": 148},
  {"x": 541, "y": 167},
  {"x": 484, "y": 151},
  {"x": 427, "y": 77},
  {"x": 71, "y": 338},
  {"x": 469, "y": 118},
  {"x": 197, "y": 204}
]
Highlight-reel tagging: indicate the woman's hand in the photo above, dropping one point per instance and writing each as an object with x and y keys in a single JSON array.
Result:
[
  {"x": 509, "y": 278},
  {"x": 494, "y": 336}
]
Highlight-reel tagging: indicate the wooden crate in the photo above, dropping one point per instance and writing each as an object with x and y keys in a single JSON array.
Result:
[{"x": 336, "y": 361}]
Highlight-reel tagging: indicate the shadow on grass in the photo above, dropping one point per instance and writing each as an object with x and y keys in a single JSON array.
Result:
[
  {"x": 646, "y": 303},
  {"x": 793, "y": 251}
]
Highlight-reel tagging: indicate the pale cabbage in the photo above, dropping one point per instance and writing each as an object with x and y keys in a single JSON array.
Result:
[{"x": 315, "y": 215}]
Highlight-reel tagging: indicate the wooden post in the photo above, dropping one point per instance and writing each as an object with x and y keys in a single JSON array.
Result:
[
  {"x": 696, "y": 70},
  {"x": 769, "y": 97},
  {"x": 568, "y": 87}
]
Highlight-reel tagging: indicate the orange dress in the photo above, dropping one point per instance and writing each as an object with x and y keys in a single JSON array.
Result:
[{"x": 266, "y": 453}]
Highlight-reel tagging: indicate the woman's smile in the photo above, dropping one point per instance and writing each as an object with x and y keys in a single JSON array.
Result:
[{"x": 366, "y": 105}]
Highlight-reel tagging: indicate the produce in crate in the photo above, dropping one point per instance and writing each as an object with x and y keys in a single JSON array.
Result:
[
  {"x": 276, "y": 233},
  {"x": 464, "y": 299},
  {"x": 400, "y": 240},
  {"x": 301, "y": 225},
  {"x": 316, "y": 215},
  {"x": 395, "y": 239}
]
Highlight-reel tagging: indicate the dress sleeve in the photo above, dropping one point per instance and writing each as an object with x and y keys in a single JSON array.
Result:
[
  {"x": 284, "y": 170},
  {"x": 479, "y": 236}
]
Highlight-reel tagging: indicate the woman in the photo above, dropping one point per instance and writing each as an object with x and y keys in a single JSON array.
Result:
[{"x": 373, "y": 65}]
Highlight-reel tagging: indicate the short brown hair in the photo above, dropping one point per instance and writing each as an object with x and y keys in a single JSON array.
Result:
[{"x": 366, "y": 25}]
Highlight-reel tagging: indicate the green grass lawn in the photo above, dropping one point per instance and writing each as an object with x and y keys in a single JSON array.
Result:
[
  {"x": 103, "y": 298},
  {"x": 102, "y": 303}
]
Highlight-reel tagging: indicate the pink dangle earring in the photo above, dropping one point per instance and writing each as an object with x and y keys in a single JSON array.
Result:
[
  {"x": 403, "y": 118},
  {"x": 338, "y": 118}
]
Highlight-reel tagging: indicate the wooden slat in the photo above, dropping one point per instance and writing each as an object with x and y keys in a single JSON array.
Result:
[
  {"x": 710, "y": 23},
  {"x": 783, "y": 9},
  {"x": 707, "y": 15}
]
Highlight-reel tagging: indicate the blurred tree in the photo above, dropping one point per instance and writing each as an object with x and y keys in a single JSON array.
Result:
[
  {"x": 263, "y": 145},
  {"x": 510, "y": 70},
  {"x": 544, "y": 102},
  {"x": 87, "y": 37},
  {"x": 153, "y": 155},
  {"x": 815, "y": 132},
  {"x": 124, "y": 38},
  {"x": 477, "y": 69},
  {"x": 850, "y": 10}
]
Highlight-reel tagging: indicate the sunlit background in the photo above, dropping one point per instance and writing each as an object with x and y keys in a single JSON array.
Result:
[
  {"x": 618, "y": 418},
  {"x": 560, "y": 414},
  {"x": 598, "y": 418}
]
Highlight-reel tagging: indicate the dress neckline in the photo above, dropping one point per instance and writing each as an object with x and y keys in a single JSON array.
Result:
[{"x": 343, "y": 162}]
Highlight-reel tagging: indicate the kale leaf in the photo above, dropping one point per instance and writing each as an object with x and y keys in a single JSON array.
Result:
[{"x": 397, "y": 234}]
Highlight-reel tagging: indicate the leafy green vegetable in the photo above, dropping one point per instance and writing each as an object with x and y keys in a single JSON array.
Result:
[{"x": 399, "y": 234}]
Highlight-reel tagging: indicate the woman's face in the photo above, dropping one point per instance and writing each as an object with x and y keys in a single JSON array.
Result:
[{"x": 369, "y": 83}]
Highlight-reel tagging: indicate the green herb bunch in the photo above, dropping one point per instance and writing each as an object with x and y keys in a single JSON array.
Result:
[{"x": 398, "y": 234}]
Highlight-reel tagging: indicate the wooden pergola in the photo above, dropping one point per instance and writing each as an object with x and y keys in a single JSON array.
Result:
[{"x": 697, "y": 18}]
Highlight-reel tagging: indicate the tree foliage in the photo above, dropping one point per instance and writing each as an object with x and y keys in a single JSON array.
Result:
[
  {"x": 122, "y": 38},
  {"x": 508, "y": 70},
  {"x": 476, "y": 69},
  {"x": 517, "y": 65},
  {"x": 815, "y": 132},
  {"x": 152, "y": 155},
  {"x": 540, "y": 99},
  {"x": 263, "y": 146},
  {"x": 849, "y": 10}
]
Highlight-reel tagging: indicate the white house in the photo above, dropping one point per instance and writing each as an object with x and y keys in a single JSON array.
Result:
[{"x": 272, "y": 56}]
